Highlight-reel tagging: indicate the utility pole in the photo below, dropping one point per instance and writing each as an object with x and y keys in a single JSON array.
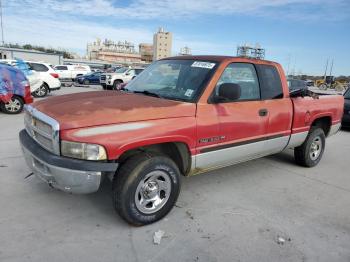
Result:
[
  {"x": 2, "y": 27},
  {"x": 330, "y": 73},
  {"x": 325, "y": 71}
]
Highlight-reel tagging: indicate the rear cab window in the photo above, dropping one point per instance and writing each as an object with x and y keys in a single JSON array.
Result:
[{"x": 270, "y": 82}]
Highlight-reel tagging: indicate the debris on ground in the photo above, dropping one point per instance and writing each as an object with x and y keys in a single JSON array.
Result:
[
  {"x": 189, "y": 214},
  {"x": 282, "y": 240},
  {"x": 157, "y": 237},
  {"x": 3, "y": 165}
]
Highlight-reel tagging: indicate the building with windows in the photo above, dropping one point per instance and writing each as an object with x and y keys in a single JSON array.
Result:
[
  {"x": 185, "y": 51},
  {"x": 114, "y": 52},
  {"x": 162, "y": 44}
]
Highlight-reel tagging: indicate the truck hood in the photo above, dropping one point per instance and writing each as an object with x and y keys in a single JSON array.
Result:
[{"x": 110, "y": 107}]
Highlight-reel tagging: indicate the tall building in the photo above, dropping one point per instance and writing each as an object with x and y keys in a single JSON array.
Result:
[
  {"x": 146, "y": 52},
  {"x": 162, "y": 43}
]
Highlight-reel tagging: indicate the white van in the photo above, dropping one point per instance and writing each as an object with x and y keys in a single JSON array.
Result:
[{"x": 70, "y": 72}]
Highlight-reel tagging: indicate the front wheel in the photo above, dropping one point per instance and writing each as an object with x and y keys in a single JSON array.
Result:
[
  {"x": 14, "y": 106},
  {"x": 323, "y": 87},
  {"x": 146, "y": 188},
  {"x": 41, "y": 91},
  {"x": 116, "y": 84},
  {"x": 310, "y": 152},
  {"x": 86, "y": 82}
]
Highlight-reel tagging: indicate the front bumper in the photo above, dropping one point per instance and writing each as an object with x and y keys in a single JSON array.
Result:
[{"x": 66, "y": 174}]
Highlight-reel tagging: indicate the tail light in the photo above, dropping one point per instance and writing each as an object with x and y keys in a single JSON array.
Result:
[
  {"x": 26, "y": 88},
  {"x": 55, "y": 75}
]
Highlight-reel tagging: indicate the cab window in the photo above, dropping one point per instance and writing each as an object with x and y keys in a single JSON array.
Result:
[{"x": 244, "y": 75}]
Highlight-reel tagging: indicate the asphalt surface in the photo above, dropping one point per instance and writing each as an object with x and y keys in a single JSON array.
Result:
[{"x": 263, "y": 210}]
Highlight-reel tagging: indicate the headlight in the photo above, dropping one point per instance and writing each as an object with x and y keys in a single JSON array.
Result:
[
  {"x": 83, "y": 150},
  {"x": 109, "y": 77}
]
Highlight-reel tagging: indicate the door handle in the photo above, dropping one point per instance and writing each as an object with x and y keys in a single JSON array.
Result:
[{"x": 263, "y": 112}]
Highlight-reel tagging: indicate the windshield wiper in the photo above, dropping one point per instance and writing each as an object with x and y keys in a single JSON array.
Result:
[{"x": 148, "y": 93}]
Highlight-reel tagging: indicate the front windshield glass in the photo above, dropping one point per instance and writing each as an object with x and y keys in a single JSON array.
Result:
[
  {"x": 347, "y": 94},
  {"x": 121, "y": 70},
  {"x": 181, "y": 80}
]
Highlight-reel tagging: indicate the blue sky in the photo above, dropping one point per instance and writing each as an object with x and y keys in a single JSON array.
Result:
[{"x": 298, "y": 33}]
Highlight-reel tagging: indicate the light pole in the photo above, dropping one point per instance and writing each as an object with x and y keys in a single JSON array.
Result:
[{"x": 2, "y": 27}]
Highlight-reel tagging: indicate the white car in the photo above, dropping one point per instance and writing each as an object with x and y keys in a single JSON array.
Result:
[
  {"x": 70, "y": 72},
  {"x": 42, "y": 78},
  {"x": 49, "y": 77},
  {"x": 111, "y": 81}
]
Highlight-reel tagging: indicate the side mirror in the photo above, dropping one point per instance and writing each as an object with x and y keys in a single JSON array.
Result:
[{"x": 228, "y": 92}]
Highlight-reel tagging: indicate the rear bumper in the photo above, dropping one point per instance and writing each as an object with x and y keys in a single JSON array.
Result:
[{"x": 66, "y": 174}]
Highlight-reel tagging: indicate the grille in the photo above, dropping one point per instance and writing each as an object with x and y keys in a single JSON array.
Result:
[
  {"x": 40, "y": 130},
  {"x": 103, "y": 77}
]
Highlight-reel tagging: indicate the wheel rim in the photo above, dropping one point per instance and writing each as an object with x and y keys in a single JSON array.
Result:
[
  {"x": 13, "y": 106},
  {"x": 153, "y": 192},
  {"x": 41, "y": 91},
  {"x": 316, "y": 148}
]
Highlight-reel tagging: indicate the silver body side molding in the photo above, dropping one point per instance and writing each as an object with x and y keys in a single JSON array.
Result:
[{"x": 233, "y": 155}]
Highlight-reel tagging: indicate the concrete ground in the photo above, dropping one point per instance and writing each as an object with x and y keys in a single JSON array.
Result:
[{"x": 232, "y": 214}]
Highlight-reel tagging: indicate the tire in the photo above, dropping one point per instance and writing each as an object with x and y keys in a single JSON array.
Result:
[
  {"x": 116, "y": 83},
  {"x": 138, "y": 181},
  {"x": 41, "y": 91},
  {"x": 323, "y": 87},
  {"x": 15, "y": 106},
  {"x": 339, "y": 88},
  {"x": 86, "y": 82},
  {"x": 311, "y": 151}
]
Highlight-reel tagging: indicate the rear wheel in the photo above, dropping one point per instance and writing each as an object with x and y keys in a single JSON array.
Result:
[
  {"x": 311, "y": 151},
  {"x": 41, "y": 91},
  {"x": 14, "y": 106},
  {"x": 146, "y": 188}
]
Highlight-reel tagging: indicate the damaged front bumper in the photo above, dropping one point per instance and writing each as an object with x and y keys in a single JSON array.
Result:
[{"x": 66, "y": 174}]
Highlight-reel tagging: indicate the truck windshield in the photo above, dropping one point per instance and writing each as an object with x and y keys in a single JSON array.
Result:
[{"x": 182, "y": 80}]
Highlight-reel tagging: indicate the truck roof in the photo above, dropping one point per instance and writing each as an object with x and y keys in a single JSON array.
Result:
[{"x": 218, "y": 58}]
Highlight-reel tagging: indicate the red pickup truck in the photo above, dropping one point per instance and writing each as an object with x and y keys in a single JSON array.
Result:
[{"x": 181, "y": 116}]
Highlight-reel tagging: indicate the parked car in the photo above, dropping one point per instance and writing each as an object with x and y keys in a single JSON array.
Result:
[
  {"x": 14, "y": 89},
  {"x": 91, "y": 78},
  {"x": 310, "y": 82},
  {"x": 295, "y": 84},
  {"x": 111, "y": 81},
  {"x": 49, "y": 77},
  {"x": 70, "y": 72},
  {"x": 219, "y": 111},
  {"x": 346, "y": 116},
  {"x": 42, "y": 77}
]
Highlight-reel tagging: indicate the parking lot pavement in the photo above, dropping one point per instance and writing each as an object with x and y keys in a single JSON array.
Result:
[{"x": 263, "y": 210}]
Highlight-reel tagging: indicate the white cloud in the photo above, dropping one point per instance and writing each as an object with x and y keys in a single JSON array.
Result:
[{"x": 157, "y": 9}]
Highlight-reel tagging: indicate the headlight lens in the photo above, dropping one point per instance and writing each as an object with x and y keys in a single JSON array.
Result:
[
  {"x": 83, "y": 150},
  {"x": 109, "y": 77}
]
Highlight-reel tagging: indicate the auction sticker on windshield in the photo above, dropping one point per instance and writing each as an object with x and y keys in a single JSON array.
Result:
[{"x": 203, "y": 64}]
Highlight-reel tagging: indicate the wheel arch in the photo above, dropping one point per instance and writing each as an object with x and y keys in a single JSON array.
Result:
[
  {"x": 177, "y": 151},
  {"x": 324, "y": 122}
]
